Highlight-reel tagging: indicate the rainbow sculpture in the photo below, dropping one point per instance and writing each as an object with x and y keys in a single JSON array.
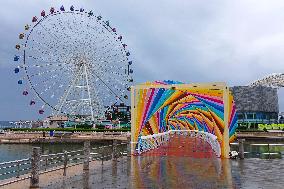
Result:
[{"x": 169, "y": 105}]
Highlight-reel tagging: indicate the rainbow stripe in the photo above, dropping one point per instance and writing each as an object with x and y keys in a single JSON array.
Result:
[{"x": 160, "y": 109}]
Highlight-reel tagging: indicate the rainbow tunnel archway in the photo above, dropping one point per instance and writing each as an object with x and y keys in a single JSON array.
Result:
[{"x": 160, "y": 106}]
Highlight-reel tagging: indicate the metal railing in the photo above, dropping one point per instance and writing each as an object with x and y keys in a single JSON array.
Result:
[
  {"x": 14, "y": 168},
  {"x": 31, "y": 168}
]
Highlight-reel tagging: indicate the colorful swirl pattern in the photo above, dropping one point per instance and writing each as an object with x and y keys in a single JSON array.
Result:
[{"x": 161, "y": 109}]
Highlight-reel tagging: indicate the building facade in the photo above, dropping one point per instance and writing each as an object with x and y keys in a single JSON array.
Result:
[
  {"x": 281, "y": 117},
  {"x": 256, "y": 104},
  {"x": 55, "y": 121}
]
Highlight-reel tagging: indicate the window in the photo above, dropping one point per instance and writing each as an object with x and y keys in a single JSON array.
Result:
[
  {"x": 250, "y": 116},
  {"x": 240, "y": 116}
]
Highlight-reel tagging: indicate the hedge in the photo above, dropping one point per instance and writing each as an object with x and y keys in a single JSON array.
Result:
[
  {"x": 68, "y": 129},
  {"x": 249, "y": 130},
  {"x": 271, "y": 126}
]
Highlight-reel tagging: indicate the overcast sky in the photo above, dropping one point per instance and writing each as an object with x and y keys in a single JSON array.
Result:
[{"x": 186, "y": 40}]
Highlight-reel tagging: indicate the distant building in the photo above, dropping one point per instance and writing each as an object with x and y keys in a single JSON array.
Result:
[
  {"x": 256, "y": 104},
  {"x": 119, "y": 112},
  {"x": 36, "y": 124},
  {"x": 55, "y": 121},
  {"x": 281, "y": 117}
]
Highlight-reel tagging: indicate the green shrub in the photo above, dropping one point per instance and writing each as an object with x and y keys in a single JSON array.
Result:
[
  {"x": 84, "y": 126},
  {"x": 68, "y": 129},
  {"x": 242, "y": 128},
  {"x": 249, "y": 130},
  {"x": 268, "y": 127},
  {"x": 100, "y": 126},
  {"x": 265, "y": 130},
  {"x": 261, "y": 127}
]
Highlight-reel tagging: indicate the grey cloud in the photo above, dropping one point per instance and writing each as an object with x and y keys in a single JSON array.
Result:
[{"x": 185, "y": 40}]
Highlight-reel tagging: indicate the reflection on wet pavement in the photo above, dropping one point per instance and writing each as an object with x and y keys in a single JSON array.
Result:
[
  {"x": 184, "y": 163},
  {"x": 180, "y": 172},
  {"x": 183, "y": 146}
]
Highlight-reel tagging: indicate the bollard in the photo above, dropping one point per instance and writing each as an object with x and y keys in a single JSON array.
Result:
[
  {"x": 86, "y": 155},
  {"x": 114, "y": 174},
  {"x": 241, "y": 148},
  {"x": 114, "y": 149},
  {"x": 46, "y": 159},
  {"x": 65, "y": 162},
  {"x": 128, "y": 146},
  {"x": 35, "y": 160},
  {"x": 86, "y": 179},
  {"x": 102, "y": 158},
  {"x": 128, "y": 160}
]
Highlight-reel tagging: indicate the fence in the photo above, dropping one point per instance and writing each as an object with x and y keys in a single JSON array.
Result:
[{"x": 31, "y": 168}]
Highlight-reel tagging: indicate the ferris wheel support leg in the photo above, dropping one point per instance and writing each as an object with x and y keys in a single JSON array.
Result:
[
  {"x": 61, "y": 103},
  {"x": 89, "y": 92}
]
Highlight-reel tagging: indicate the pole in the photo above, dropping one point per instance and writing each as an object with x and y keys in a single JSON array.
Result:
[
  {"x": 128, "y": 146},
  {"x": 86, "y": 165},
  {"x": 35, "y": 160},
  {"x": 241, "y": 148},
  {"x": 86, "y": 155},
  {"x": 225, "y": 146},
  {"x": 133, "y": 120},
  {"x": 65, "y": 162},
  {"x": 102, "y": 158},
  {"x": 45, "y": 166},
  {"x": 114, "y": 150}
]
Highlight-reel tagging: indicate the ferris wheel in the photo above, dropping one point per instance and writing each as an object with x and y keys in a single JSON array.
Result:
[{"x": 74, "y": 62}]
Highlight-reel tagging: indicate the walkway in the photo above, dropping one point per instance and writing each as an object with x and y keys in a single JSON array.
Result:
[
  {"x": 147, "y": 172},
  {"x": 183, "y": 146},
  {"x": 150, "y": 172}
]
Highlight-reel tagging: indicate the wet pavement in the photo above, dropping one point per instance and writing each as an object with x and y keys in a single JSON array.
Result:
[
  {"x": 181, "y": 172},
  {"x": 112, "y": 174},
  {"x": 183, "y": 147},
  {"x": 180, "y": 168}
]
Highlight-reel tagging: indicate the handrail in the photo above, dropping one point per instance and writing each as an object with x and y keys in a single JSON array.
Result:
[
  {"x": 149, "y": 142},
  {"x": 16, "y": 169},
  {"x": 14, "y": 161}
]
